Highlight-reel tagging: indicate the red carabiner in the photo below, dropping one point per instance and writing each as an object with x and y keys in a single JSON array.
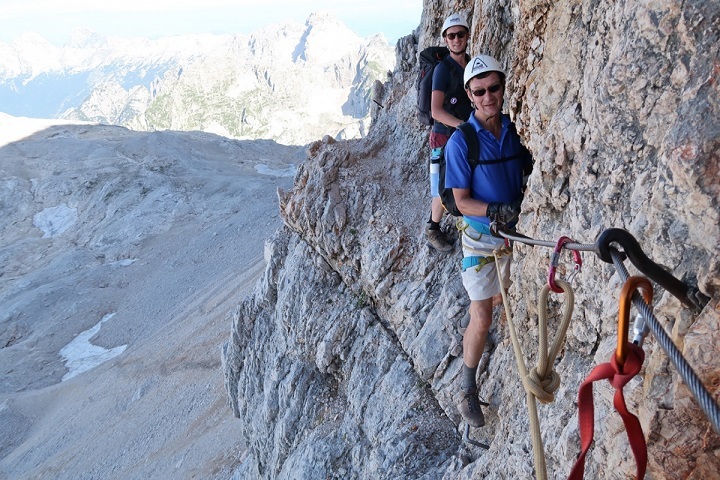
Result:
[{"x": 555, "y": 261}]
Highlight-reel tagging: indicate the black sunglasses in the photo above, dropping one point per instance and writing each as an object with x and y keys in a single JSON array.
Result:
[
  {"x": 481, "y": 92},
  {"x": 461, "y": 34}
]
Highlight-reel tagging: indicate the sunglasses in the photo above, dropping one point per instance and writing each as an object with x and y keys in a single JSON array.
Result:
[
  {"x": 481, "y": 92},
  {"x": 461, "y": 34}
]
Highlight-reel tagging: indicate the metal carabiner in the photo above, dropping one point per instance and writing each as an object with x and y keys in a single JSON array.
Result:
[
  {"x": 555, "y": 261},
  {"x": 628, "y": 289}
]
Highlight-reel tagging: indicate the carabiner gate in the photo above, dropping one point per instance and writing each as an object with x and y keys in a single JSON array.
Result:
[
  {"x": 628, "y": 289},
  {"x": 555, "y": 261}
]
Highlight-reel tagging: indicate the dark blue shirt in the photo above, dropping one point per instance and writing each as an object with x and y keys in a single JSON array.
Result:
[{"x": 456, "y": 101}]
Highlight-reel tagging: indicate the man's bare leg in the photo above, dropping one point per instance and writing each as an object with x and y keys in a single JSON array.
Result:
[{"x": 476, "y": 333}]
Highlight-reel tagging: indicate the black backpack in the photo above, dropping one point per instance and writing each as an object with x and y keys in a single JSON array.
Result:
[
  {"x": 429, "y": 58},
  {"x": 446, "y": 194},
  {"x": 456, "y": 102}
]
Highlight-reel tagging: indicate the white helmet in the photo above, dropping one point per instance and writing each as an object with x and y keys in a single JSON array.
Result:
[
  {"x": 481, "y": 64},
  {"x": 454, "y": 20}
]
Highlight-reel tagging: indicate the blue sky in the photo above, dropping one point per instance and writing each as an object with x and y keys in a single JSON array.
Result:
[{"x": 56, "y": 19}]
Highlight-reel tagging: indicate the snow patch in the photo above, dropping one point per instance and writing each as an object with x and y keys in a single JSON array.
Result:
[
  {"x": 283, "y": 172},
  {"x": 53, "y": 221},
  {"x": 80, "y": 355}
]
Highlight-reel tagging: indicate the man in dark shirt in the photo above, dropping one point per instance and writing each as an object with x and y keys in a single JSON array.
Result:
[{"x": 450, "y": 107}]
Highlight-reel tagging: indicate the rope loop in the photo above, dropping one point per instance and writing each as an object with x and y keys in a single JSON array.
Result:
[{"x": 541, "y": 382}]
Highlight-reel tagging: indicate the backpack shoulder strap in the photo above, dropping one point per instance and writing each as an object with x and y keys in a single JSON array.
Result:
[
  {"x": 474, "y": 147},
  {"x": 472, "y": 142}
]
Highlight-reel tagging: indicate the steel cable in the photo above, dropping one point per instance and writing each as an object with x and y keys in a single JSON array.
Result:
[
  {"x": 701, "y": 394},
  {"x": 705, "y": 400},
  {"x": 518, "y": 237}
]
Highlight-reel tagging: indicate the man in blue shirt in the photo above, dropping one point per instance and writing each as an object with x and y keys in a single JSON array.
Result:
[
  {"x": 490, "y": 191},
  {"x": 449, "y": 107}
]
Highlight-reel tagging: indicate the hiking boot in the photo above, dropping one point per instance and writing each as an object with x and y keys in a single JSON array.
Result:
[
  {"x": 439, "y": 240},
  {"x": 470, "y": 407}
]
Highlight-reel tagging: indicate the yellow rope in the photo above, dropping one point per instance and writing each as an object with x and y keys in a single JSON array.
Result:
[{"x": 542, "y": 381}]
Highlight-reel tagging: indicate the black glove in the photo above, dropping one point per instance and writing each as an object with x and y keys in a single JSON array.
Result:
[{"x": 504, "y": 212}]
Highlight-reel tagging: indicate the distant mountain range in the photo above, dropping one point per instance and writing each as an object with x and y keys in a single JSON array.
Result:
[{"x": 289, "y": 82}]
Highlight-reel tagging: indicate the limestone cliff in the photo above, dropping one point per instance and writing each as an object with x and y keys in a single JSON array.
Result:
[{"x": 345, "y": 361}]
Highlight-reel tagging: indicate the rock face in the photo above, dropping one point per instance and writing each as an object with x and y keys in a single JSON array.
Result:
[{"x": 345, "y": 362}]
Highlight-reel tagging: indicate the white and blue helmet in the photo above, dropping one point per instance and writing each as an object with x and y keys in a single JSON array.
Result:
[
  {"x": 454, "y": 20},
  {"x": 481, "y": 64}
]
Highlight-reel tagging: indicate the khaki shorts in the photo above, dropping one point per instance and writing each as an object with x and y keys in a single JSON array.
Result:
[{"x": 483, "y": 284}]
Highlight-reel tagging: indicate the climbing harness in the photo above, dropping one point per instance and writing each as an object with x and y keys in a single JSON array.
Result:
[
  {"x": 688, "y": 295},
  {"x": 481, "y": 256},
  {"x": 477, "y": 262},
  {"x": 624, "y": 365},
  {"x": 541, "y": 382},
  {"x": 462, "y": 225}
]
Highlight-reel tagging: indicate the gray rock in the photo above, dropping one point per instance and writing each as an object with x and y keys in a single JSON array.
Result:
[{"x": 618, "y": 105}]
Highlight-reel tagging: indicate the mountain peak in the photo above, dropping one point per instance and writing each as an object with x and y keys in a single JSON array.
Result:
[
  {"x": 147, "y": 84},
  {"x": 85, "y": 38},
  {"x": 30, "y": 38},
  {"x": 326, "y": 39},
  {"x": 325, "y": 21},
  {"x": 321, "y": 18}
]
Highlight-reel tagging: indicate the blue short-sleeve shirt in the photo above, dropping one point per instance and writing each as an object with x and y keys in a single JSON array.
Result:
[{"x": 493, "y": 181}]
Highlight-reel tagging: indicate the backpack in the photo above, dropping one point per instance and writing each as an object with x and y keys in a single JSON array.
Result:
[
  {"x": 456, "y": 102},
  {"x": 446, "y": 194},
  {"x": 429, "y": 58}
]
